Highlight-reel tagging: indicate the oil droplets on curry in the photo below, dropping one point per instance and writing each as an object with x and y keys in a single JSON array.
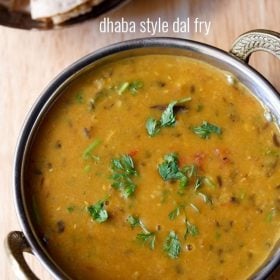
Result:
[{"x": 156, "y": 167}]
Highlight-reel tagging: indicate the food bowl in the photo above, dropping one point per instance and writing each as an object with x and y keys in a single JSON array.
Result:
[{"x": 234, "y": 62}]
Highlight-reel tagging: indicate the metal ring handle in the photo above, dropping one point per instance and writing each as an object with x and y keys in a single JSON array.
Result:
[
  {"x": 256, "y": 40},
  {"x": 15, "y": 245}
]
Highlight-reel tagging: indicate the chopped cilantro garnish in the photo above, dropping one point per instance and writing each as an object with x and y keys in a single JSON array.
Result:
[
  {"x": 97, "y": 211},
  {"x": 174, "y": 213},
  {"x": 271, "y": 214},
  {"x": 209, "y": 182},
  {"x": 172, "y": 245},
  {"x": 123, "y": 169},
  {"x": 133, "y": 87},
  {"x": 70, "y": 209},
  {"x": 169, "y": 170},
  {"x": 190, "y": 170},
  {"x": 152, "y": 126},
  {"x": 87, "y": 154},
  {"x": 79, "y": 97},
  {"x": 206, "y": 129},
  {"x": 191, "y": 230},
  {"x": 122, "y": 88},
  {"x": 133, "y": 221},
  {"x": 194, "y": 207},
  {"x": 147, "y": 237},
  {"x": 198, "y": 183},
  {"x": 167, "y": 118},
  {"x": 205, "y": 197}
]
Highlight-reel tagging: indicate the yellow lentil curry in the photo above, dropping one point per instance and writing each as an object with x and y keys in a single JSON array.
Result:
[{"x": 156, "y": 167}]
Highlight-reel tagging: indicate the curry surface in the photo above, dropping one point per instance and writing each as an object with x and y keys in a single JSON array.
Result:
[{"x": 234, "y": 211}]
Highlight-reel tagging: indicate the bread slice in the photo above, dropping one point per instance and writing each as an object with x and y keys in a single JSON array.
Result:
[{"x": 59, "y": 11}]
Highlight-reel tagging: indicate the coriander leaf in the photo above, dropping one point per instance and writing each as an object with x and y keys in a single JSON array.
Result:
[
  {"x": 190, "y": 170},
  {"x": 209, "y": 182},
  {"x": 97, "y": 211},
  {"x": 205, "y": 129},
  {"x": 184, "y": 180},
  {"x": 191, "y": 230},
  {"x": 172, "y": 245},
  {"x": 271, "y": 214},
  {"x": 133, "y": 221},
  {"x": 168, "y": 116},
  {"x": 87, "y": 154},
  {"x": 128, "y": 189},
  {"x": 174, "y": 213},
  {"x": 152, "y": 126},
  {"x": 123, "y": 170},
  {"x": 194, "y": 207},
  {"x": 122, "y": 88},
  {"x": 147, "y": 237},
  {"x": 169, "y": 169},
  {"x": 198, "y": 183},
  {"x": 205, "y": 198},
  {"x": 124, "y": 163},
  {"x": 135, "y": 86},
  {"x": 79, "y": 97},
  {"x": 70, "y": 209}
]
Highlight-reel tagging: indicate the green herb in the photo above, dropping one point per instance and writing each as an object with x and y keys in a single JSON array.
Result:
[
  {"x": 133, "y": 87},
  {"x": 205, "y": 198},
  {"x": 147, "y": 237},
  {"x": 191, "y": 229},
  {"x": 172, "y": 245},
  {"x": 87, "y": 154},
  {"x": 194, "y": 207},
  {"x": 79, "y": 97},
  {"x": 198, "y": 183},
  {"x": 124, "y": 163},
  {"x": 168, "y": 116},
  {"x": 183, "y": 182},
  {"x": 97, "y": 211},
  {"x": 122, "y": 88},
  {"x": 271, "y": 214},
  {"x": 209, "y": 182},
  {"x": 206, "y": 129},
  {"x": 133, "y": 221},
  {"x": 152, "y": 126},
  {"x": 169, "y": 170},
  {"x": 70, "y": 209},
  {"x": 123, "y": 171},
  {"x": 167, "y": 119},
  {"x": 174, "y": 213},
  {"x": 190, "y": 170},
  {"x": 199, "y": 107},
  {"x": 87, "y": 168}
]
